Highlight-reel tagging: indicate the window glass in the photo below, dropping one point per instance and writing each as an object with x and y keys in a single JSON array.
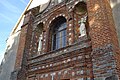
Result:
[{"x": 59, "y": 35}]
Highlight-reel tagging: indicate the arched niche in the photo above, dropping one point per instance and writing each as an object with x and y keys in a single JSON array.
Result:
[
  {"x": 81, "y": 26},
  {"x": 39, "y": 29}
]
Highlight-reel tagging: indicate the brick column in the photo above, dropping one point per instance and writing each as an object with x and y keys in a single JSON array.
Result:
[
  {"x": 20, "y": 69},
  {"x": 47, "y": 44},
  {"x": 44, "y": 42},
  {"x": 104, "y": 38},
  {"x": 70, "y": 29}
]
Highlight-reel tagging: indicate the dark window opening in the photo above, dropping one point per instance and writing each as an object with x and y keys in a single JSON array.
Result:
[{"x": 59, "y": 34}]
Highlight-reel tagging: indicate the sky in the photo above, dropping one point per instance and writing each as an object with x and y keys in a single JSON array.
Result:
[{"x": 10, "y": 11}]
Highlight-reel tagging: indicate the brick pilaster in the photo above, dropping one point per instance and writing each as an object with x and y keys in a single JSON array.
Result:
[
  {"x": 103, "y": 36},
  {"x": 20, "y": 69},
  {"x": 70, "y": 29}
]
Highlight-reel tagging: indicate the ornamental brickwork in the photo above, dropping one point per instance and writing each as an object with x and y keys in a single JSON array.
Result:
[{"x": 94, "y": 56}]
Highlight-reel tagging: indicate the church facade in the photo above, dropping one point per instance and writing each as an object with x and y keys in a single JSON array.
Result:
[{"x": 68, "y": 40}]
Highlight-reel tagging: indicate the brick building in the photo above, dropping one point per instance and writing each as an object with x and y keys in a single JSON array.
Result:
[{"x": 68, "y": 40}]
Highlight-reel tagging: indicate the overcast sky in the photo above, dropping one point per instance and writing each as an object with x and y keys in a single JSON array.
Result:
[{"x": 10, "y": 11}]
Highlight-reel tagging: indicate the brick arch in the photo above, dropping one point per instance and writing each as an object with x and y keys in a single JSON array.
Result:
[
  {"x": 54, "y": 16},
  {"x": 55, "y": 20}
]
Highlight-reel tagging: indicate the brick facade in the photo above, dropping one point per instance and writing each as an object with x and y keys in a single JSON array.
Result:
[{"x": 89, "y": 57}]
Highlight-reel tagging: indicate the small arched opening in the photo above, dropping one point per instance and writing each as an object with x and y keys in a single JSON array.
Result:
[{"x": 40, "y": 34}]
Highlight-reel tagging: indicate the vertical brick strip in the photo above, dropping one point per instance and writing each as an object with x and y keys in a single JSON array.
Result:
[
  {"x": 20, "y": 70},
  {"x": 103, "y": 36},
  {"x": 102, "y": 29},
  {"x": 70, "y": 29}
]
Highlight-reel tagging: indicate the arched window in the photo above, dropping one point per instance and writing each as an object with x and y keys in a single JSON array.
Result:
[{"x": 59, "y": 33}]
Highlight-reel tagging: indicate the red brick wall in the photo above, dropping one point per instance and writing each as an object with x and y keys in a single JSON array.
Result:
[
  {"x": 102, "y": 34},
  {"x": 102, "y": 29}
]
